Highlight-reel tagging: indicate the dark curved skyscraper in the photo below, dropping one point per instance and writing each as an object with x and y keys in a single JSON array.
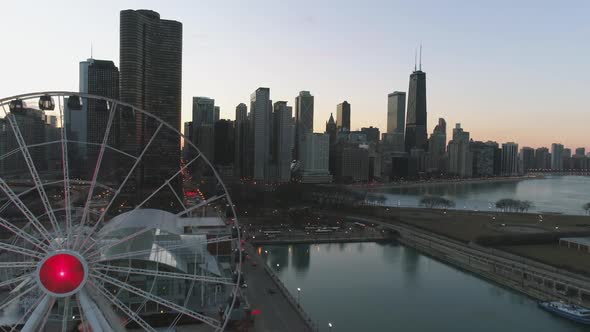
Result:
[
  {"x": 151, "y": 73},
  {"x": 416, "y": 135}
]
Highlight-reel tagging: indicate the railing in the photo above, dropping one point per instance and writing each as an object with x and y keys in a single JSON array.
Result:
[{"x": 295, "y": 304}]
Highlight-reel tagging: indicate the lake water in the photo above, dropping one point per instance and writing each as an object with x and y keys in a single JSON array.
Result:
[
  {"x": 388, "y": 287},
  {"x": 561, "y": 194}
]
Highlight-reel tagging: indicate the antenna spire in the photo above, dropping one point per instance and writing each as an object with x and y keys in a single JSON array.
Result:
[
  {"x": 91, "y": 51},
  {"x": 420, "y": 57},
  {"x": 415, "y": 58}
]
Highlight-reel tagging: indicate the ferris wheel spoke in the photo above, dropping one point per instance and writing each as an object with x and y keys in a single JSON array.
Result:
[
  {"x": 66, "y": 315},
  {"x": 18, "y": 265},
  {"x": 66, "y": 173},
  {"x": 176, "y": 195},
  {"x": 186, "y": 311},
  {"x": 22, "y": 234},
  {"x": 25, "y": 211},
  {"x": 167, "y": 181},
  {"x": 7, "y": 302},
  {"x": 14, "y": 280},
  {"x": 97, "y": 167},
  {"x": 145, "y": 200},
  {"x": 110, "y": 245},
  {"x": 81, "y": 313},
  {"x": 125, "y": 309},
  {"x": 168, "y": 248},
  {"x": 171, "y": 275},
  {"x": 39, "y": 316},
  {"x": 98, "y": 144},
  {"x": 33, "y": 170},
  {"x": 96, "y": 320},
  {"x": 17, "y": 150},
  {"x": 122, "y": 185},
  {"x": 201, "y": 204},
  {"x": 27, "y": 313},
  {"x": 20, "y": 250}
]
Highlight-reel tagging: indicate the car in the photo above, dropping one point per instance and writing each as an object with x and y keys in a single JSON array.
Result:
[
  {"x": 244, "y": 285},
  {"x": 254, "y": 264},
  {"x": 271, "y": 291}
]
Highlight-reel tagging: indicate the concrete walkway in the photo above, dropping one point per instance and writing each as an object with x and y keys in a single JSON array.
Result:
[{"x": 277, "y": 313}]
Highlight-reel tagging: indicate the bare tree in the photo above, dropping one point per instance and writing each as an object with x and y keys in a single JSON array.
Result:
[{"x": 432, "y": 202}]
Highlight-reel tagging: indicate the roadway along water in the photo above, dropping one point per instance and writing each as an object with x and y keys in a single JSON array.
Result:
[
  {"x": 561, "y": 194},
  {"x": 388, "y": 287}
]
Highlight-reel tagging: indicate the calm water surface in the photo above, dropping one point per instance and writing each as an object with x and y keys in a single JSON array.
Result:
[
  {"x": 388, "y": 287},
  {"x": 562, "y": 194}
]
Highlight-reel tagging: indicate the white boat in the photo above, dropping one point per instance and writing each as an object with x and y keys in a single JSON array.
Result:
[{"x": 569, "y": 311}]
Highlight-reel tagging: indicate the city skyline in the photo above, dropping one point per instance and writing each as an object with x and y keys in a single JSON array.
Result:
[{"x": 468, "y": 79}]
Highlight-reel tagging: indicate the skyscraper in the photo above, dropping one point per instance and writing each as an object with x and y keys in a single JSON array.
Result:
[
  {"x": 204, "y": 111},
  {"x": 460, "y": 157},
  {"x": 260, "y": 110},
  {"x": 416, "y": 136},
  {"x": 316, "y": 151},
  {"x": 371, "y": 133},
  {"x": 396, "y": 112},
  {"x": 556, "y": 156},
  {"x": 510, "y": 159},
  {"x": 242, "y": 167},
  {"x": 101, "y": 78},
  {"x": 303, "y": 119},
  {"x": 151, "y": 79},
  {"x": 282, "y": 141},
  {"x": 527, "y": 158},
  {"x": 204, "y": 126},
  {"x": 343, "y": 116},
  {"x": 437, "y": 145},
  {"x": 542, "y": 158}
]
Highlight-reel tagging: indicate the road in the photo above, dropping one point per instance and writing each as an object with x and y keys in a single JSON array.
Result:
[{"x": 277, "y": 314}]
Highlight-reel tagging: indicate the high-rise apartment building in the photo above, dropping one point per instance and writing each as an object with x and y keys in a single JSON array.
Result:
[
  {"x": 542, "y": 158},
  {"x": 483, "y": 159},
  {"x": 557, "y": 156},
  {"x": 343, "y": 116},
  {"x": 101, "y": 78},
  {"x": 371, "y": 133},
  {"x": 460, "y": 157},
  {"x": 510, "y": 159},
  {"x": 437, "y": 146},
  {"x": 242, "y": 159},
  {"x": 151, "y": 79},
  {"x": 316, "y": 153},
  {"x": 282, "y": 141},
  {"x": 396, "y": 112},
  {"x": 260, "y": 110},
  {"x": 203, "y": 127},
  {"x": 527, "y": 158},
  {"x": 303, "y": 119},
  {"x": 416, "y": 135}
]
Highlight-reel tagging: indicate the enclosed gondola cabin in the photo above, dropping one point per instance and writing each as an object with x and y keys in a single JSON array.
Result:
[
  {"x": 75, "y": 103},
  {"x": 46, "y": 103}
]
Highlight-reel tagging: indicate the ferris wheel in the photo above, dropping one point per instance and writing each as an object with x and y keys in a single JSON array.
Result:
[{"x": 107, "y": 224}]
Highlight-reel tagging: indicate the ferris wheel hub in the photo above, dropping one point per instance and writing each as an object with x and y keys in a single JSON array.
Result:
[{"x": 62, "y": 273}]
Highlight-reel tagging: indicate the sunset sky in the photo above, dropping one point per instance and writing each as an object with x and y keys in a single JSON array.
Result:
[{"x": 506, "y": 70}]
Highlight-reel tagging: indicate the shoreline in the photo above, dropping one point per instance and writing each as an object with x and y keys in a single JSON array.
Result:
[{"x": 374, "y": 187}]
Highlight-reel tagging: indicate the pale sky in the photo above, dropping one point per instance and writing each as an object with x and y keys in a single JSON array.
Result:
[{"x": 506, "y": 70}]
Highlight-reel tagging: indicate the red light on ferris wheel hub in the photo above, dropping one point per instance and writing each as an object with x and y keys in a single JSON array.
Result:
[{"x": 62, "y": 273}]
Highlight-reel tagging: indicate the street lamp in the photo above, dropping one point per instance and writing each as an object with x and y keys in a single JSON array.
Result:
[
  {"x": 298, "y": 295},
  {"x": 330, "y": 326}
]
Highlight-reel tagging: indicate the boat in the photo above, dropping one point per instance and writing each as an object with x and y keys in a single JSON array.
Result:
[{"x": 569, "y": 311}]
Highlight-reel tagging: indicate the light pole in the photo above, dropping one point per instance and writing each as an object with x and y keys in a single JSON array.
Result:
[
  {"x": 298, "y": 295},
  {"x": 330, "y": 326}
]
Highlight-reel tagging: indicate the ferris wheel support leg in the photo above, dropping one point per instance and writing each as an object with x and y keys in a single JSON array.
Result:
[
  {"x": 34, "y": 322},
  {"x": 93, "y": 314}
]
